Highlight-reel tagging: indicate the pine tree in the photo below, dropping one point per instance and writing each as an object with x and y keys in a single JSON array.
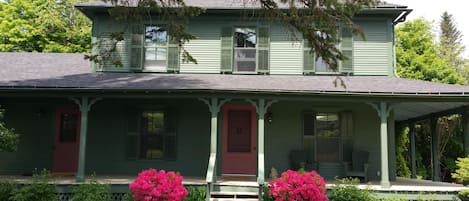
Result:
[{"x": 451, "y": 47}]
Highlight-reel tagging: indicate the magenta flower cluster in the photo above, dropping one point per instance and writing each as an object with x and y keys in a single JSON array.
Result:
[
  {"x": 153, "y": 185},
  {"x": 298, "y": 186}
]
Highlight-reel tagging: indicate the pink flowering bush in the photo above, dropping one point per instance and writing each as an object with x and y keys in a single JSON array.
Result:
[
  {"x": 298, "y": 186},
  {"x": 153, "y": 185}
]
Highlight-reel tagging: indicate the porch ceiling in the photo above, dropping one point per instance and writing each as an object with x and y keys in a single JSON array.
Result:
[{"x": 412, "y": 110}]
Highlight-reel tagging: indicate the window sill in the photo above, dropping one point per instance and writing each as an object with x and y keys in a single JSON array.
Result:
[{"x": 245, "y": 72}]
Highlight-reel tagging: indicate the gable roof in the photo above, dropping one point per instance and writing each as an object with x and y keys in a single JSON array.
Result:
[
  {"x": 221, "y": 4},
  {"x": 71, "y": 71}
]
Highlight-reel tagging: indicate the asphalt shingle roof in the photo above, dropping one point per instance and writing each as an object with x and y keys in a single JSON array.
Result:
[{"x": 71, "y": 71}]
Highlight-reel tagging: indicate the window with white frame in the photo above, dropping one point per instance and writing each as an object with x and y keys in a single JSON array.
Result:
[
  {"x": 156, "y": 48},
  {"x": 327, "y": 136},
  {"x": 245, "y": 40}
]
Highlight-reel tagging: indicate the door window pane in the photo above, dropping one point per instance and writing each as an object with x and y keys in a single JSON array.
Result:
[
  {"x": 239, "y": 131},
  {"x": 68, "y": 127}
]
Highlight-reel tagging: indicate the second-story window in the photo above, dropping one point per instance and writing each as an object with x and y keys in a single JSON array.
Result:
[
  {"x": 311, "y": 65},
  {"x": 156, "y": 48},
  {"x": 245, "y": 40}
]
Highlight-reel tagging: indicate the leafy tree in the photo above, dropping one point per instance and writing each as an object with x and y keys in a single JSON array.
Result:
[
  {"x": 451, "y": 46},
  {"x": 43, "y": 26},
  {"x": 315, "y": 20},
  {"x": 417, "y": 55},
  {"x": 8, "y": 138},
  {"x": 402, "y": 151}
]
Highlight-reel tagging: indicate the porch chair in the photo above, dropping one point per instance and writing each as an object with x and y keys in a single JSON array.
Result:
[
  {"x": 359, "y": 166},
  {"x": 299, "y": 159}
]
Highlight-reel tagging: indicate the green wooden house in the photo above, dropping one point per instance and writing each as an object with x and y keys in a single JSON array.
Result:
[{"x": 255, "y": 100}]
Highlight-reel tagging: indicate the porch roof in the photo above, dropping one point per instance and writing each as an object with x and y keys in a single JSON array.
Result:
[{"x": 70, "y": 72}]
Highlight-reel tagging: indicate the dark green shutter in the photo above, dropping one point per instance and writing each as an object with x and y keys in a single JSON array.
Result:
[
  {"x": 346, "y": 47},
  {"x": 309, "y": 62},
  {"x": 263, "y": 50},
  {"x": 170, "y": 137},
  {"x": 132, "y": 137},
  {"x": 170, "y": 116},
  {"x": 173, "y": 56},
  {"x": 136, "y": 47},
  {"x": 226, "y": 50}
]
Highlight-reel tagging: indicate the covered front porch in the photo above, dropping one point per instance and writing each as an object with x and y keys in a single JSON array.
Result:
[{"x": 279, "y": 130}]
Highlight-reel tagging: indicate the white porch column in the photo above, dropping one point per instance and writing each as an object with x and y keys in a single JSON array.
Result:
[
  {"x": 85, "y": 105},
  {"x": 383, "y": 110},
  {"x": 383, "y": 113},
  {"x": 261, "y": 109},
  {"x": 214, "y": 106}
]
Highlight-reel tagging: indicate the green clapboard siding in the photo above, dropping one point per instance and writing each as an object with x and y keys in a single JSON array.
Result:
[
  {"x": 373, "y": 56},
  {"x": 205, "y": 48},
  {"x": 120, "y": 59},
  {"x": 286, "y": 53}
]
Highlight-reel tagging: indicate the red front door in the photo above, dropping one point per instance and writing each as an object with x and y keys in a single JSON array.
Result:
[
  {"x": 239, "y": 140},
  {"x": 67, "y": 141}
]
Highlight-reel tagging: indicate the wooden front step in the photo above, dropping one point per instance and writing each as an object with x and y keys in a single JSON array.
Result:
[{"x": 235, "y": 190}]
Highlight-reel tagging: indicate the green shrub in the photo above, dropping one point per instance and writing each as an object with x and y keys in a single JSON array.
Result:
[
  {"x": 196, "y": 194},
  {"x": 464, "y": 195},
  {"x": 92, "y": 191},
  {"x": 347, "y": 190},
  {"x": 128, "y": 197},
  {"x": 38, "y": 190},
  {"x": 265, "y": 193},
  {"x": 7, "y": 190},
  {"x": 462, "y": 172}
]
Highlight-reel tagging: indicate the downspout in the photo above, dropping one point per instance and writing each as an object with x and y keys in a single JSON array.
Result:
[{"x": 399, "y": 19}]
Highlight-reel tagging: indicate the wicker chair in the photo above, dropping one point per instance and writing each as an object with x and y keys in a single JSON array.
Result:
[{"x": 359, "y": 166}]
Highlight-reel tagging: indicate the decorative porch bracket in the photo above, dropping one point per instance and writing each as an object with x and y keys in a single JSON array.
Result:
[
  {"x": 383, "y": 110},
  {"x": 214, "y": 106},
  {"x": 84, "y": 104},
  {"x": 261, "y": 109}
]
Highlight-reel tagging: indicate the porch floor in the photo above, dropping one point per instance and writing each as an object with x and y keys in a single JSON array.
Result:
[{"x": 400, "y": 185}]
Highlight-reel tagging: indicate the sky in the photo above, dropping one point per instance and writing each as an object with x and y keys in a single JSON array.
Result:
[{"x": 432, "y": 9}]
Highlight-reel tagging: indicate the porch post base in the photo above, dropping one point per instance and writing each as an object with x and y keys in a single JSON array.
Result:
[{"x": 385, "y": 184}]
